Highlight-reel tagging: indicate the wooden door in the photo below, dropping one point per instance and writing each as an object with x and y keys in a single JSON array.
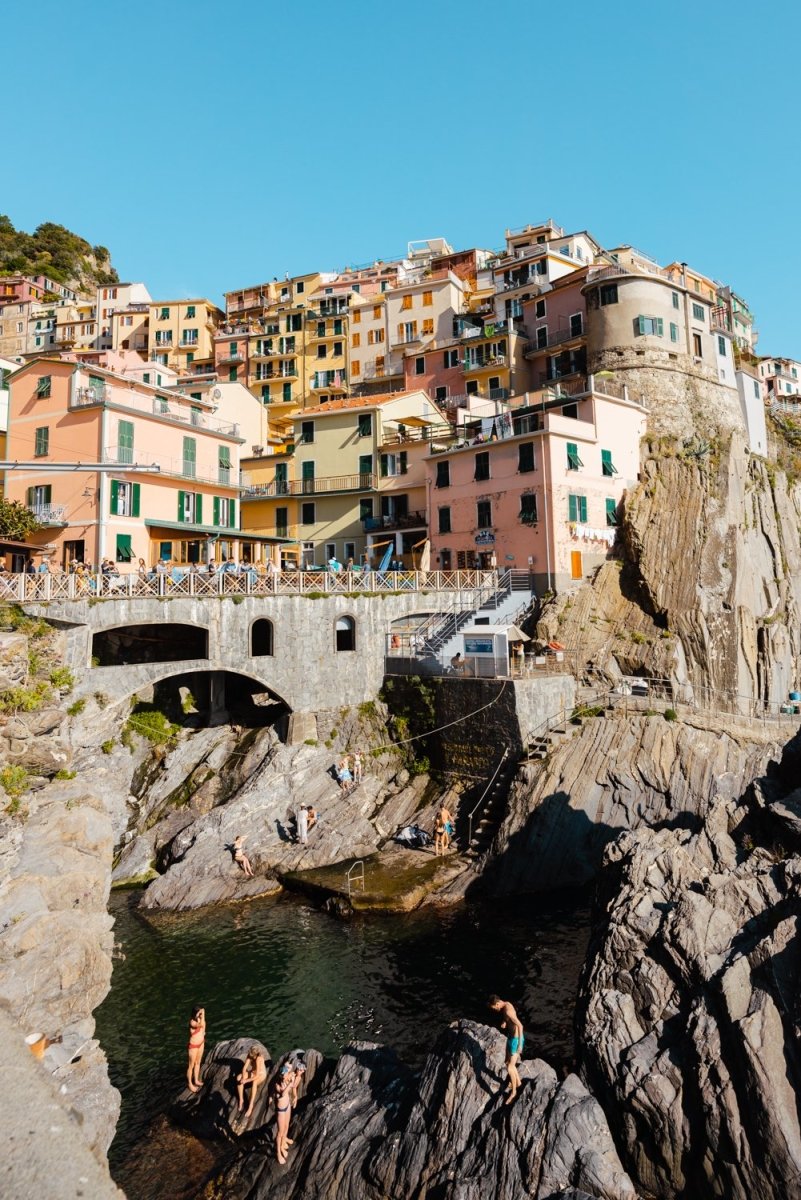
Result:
[{"x": 575, "y": 565}]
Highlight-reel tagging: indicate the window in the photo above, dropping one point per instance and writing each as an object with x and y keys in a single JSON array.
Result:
[
  {"x": 190, "y": 311},
  {"x": 419, "y": 366},
  {"x": 307, "y": 513},
  {"x": 224, "y": 464},
  {"x": 406, "y": 303},
  {"x": 232, "y": 374},
  {"x": 356, "y": 340},
  {"x": 721, "y": 346},
  {"x": 330, "y": 551},
  {"x": 300, "y": 287},
  {"x": 356, "y": 316},
  {"x": 190, "y": 508},
  {"x": 322, "y": 351},
  {"x": 355, "y": 366},
  {"x": 574, "y": 463},
  {"x": 542, "y": 337},
  {"x": 345, "y": 633},
  {"x": 607, "y": 466},
  {"x": 675, "y": 296},
  {"x": 365, "y": 510},
  {"x": 674, "y": 332},
  {"x": 365, "y": 464},
  {"x": 336, "y": 349},
  {"x": 756, "y": 389},
  {"x": 365, "y": 425},
  {"x": 650, "y": 326},
  {"x": 164, "y": 314},
  {"x": 440, "y": 395},
  {"x": 428, "y": 299},
  {"x": 124, "y": 498},
  {"x": 42, "y": 441},
  {"x": 525, "y": 457},
  {"x": 286, "y": 392},
  {"x": 124, "y": 551},
  {"x": 224, "y": 512},
  {"x": 307, "y": 432},
  {"x": 261, "y": 638},
  {"x": 576, "y": 325},
  {"x": 190, "y": 457},
  {"x": 611, "y": 511},
  {"x": 451, "y": 358},
  {"x": 539, "y": 309},
  {"x": 576, "y": 508},
  {"x": 428, "y": 326},
  {"x": 350, "y": 551},
  {"x": 282, "y": 522},
  {"x": 444, "y": 520},
  {"x": 307, "y": 476},
  {"x": 125, "y": 442},
  {"x": 697, "y": 346},
  {"x": 698, "y": 312},
  {"x": 608, "y": 294},
  {"x": 528, "y": 508},
  {"x": 443, "y": 474},
  {"x": 375, "y": 336},
  {"x": 146, "y": 377},
  {"x": 377, "y": 310},
  {"x": 482, "y": 467},
  {"x": 39, "y": 496},
  {"x": 484, "y": 514}
]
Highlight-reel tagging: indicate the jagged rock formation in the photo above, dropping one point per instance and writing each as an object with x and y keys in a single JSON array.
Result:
[
  {"x": 688, "y": 1015},
  {"x": 708, "y": 590},
  {"x": 370, "y": 1129},
  {"x": 622, "y": 770}
]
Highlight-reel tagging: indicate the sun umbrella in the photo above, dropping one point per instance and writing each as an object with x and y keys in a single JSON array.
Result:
[{"x": 513, "y": 634}]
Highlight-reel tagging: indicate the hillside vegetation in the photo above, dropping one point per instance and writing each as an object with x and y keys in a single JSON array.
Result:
[{"x": 55, "y": 251}]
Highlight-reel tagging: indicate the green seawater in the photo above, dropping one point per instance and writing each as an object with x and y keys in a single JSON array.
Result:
[{"x": 284, "y": 972}]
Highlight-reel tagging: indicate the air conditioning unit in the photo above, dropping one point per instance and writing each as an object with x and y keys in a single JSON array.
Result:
[{"x": 257, "y": 450}]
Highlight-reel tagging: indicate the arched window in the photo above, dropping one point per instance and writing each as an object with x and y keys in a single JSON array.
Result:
[
  {"x": 261, "y": 638},
  {"x": 346, "y": 633}
]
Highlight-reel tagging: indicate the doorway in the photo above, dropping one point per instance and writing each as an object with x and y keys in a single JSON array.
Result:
[
  {"x": 73, "y": 552},
  {"x": 576, "y": 571}
]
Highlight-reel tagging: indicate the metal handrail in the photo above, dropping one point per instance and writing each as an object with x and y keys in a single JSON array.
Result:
[
  {"x": 358, "y": 877},
  {"x": 475, "y": 807}
]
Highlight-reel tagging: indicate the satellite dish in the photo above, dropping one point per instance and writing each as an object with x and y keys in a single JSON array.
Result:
[{"x": 216, "y": 393}]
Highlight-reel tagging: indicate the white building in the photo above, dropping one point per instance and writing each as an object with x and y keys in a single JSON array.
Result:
[{"x": 110, "y": 298}]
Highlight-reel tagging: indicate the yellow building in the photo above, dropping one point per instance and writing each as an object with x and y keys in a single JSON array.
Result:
[
  {"x": 181, "y": 333},
  {"x": 269, "y": 503}
]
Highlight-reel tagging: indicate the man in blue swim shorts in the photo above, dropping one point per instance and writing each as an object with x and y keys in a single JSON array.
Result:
[{"x": 510, "y": 1023}]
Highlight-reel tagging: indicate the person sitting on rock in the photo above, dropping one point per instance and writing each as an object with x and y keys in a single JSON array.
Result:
[
  {"x": 240, "y": 858},
  {"x": 311, "y": 817},
  {"x": 515, "y": 1041},
  {"x": 252, "y": 1075}
]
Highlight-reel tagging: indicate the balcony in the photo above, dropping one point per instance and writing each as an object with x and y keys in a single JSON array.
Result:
[
  {"x": 372, "y": 371},
  {"x": 329, "y": 381},
  {"x": 410, "y": 339},
  {"x": 86, "y": 396},
  {"x": 325, "y": 485},
  {"x": 413, "y": 520},
  {"x": 50, "y": 514},
  {"x": 485, "y": 364},
  {"x": 178, "y": 467},
  {"x": 332, "y": 308},
  {"x": 330, "y": 335},
  {"x": 188, "y": 344},
  {"x": 231, "y": 358},
  {"x": 533, "y": 348}
]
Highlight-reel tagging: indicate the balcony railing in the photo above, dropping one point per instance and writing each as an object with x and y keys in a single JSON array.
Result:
[
  {"x": 50, "y": 514},
  {"x": 485, "y": 364},
  {"x": 311, "y": 487},
  {"x": 534, "y": 347},
  {"x": 413, "y": 520},
  {"x": 178, "y": 467}
]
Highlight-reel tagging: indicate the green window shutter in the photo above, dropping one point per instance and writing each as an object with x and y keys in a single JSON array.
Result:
[
  {"x": 125, "y": 441},
  {"x": 198, "y": 508},
  {"x": 135, "y": 500},
  {"x": 573, "y": 460},
  {"x": 384, "y": 464},
  {"x": 48, "y": 493},
  {"x": 582, "y": 507},
  {"x": 216, "y": 510},
  {"x": 42, "y": 440},
  {"x": 287, "y": 394},
  {"x": 658, "y": 327},
  {"x": 232, "y": 514},
  {"x": 232, "y": 374},
  {"x": 572, "y": 508},
  {"x": 607, "y": 466},
  {"x": 674, "y": 332},
  {"x": 29, "y": 497},
  {"x": 115, "y": 496},
  {"x": 611, "y": 511},
  {"x": 639, "y": 325},
  {"x": 124, "y": 550},
  {"x": 403, "y": 459},
  {"x": 180, "y": 506}
]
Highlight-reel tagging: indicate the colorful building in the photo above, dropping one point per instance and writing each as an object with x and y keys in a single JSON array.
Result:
[
  {"x": 63, "y": 413},
  {"x": 181, "y": 333}
]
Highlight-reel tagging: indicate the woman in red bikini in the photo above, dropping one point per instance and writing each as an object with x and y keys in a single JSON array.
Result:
[{"x": 197, "y": 1040}]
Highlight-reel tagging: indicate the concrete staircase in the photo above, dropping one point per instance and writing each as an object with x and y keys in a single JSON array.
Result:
[
  {"x": 506, "y": 606},
  {"x": 483, "y": 822}
]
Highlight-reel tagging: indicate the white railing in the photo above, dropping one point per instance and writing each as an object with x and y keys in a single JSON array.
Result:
[
  {"x": 243, "y": 581},
  {"x": 49, "y": 514}
]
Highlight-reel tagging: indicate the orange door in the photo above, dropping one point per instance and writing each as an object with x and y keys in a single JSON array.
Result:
[{"x": 575, "y": 564}]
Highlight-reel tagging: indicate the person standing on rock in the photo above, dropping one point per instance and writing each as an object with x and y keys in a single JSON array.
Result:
[
  {"x": 303, "y": 825},
  {"x": 197, "y": 1040},
  {"x": 515, "y": 1040},
  {"x": 358, "y": 766},
  {"x": 281, "y": 1088}
]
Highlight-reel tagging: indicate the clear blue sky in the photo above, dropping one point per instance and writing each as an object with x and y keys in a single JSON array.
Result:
[{"x": 213, "y": 145}]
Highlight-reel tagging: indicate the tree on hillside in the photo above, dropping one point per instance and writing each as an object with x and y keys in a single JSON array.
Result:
[
  {"x": 53, "y": 250},
  {"x": 16, "y": 521}
]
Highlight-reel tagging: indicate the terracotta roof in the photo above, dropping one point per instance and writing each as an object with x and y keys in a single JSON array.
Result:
[{"x": 358, "y": 402}]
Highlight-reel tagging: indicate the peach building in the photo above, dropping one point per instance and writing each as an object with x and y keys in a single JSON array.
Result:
[
  {"x": 538, "y": 488},
  {"x": 63, "y": 413}
]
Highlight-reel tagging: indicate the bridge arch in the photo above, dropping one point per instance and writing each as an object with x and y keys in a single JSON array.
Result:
[{"x": 149, "y": 642}]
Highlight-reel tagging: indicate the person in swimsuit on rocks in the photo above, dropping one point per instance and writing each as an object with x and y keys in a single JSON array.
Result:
[
  {"x": 446, "y": 820},
  {"x": 439, "y": 836},
  {"x": 252, "y": 1075},
  {"x": 197, "y": 1040},
  {"x": 515, "y": 1041},
  {"x": 358, "y": 766},
  {"x": 240, "y": 858},
  {"x": 282, "y": 1087}
]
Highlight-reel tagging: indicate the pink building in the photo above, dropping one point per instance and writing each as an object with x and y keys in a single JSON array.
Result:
[
  {"x": 63, "y": 413},
  {"x": 539, "y": 488}
]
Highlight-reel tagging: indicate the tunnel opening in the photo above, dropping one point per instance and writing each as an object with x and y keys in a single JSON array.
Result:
[
  {"x": 153, "y": 643},
  {"x": 195, "y": 699}
]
